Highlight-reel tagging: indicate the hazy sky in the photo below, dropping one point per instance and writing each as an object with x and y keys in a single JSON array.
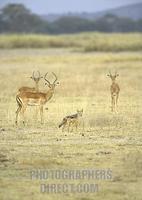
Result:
[{"x": 60, "y": 6}]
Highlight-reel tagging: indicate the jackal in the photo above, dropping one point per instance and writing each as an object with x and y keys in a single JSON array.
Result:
[{"x": 71, "y": 120}]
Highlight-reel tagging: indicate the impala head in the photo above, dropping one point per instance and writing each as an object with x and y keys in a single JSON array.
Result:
[
  {"x": 49, "y": 84},
  {"x": 113, "y": 77},
  {"x": 36, "y": 76},
  {"x": 80, "y": 112}
]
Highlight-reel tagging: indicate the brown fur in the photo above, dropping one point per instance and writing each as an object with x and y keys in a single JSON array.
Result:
[
  {"x": 34, "y": 89},
  {"x": 114, "y": 89},
  {"x": 71, "y": 121},
  {"x": 25, "y": 99}
]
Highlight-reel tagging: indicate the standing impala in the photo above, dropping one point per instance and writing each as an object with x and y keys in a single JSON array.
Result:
[
  {"x": 25, "y": 99},
  {"x": 36, "y": 79},
  {"x": 114, "y": 89}
]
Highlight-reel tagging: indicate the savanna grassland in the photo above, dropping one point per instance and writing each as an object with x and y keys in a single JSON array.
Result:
[{"x": 108, "y": 141}]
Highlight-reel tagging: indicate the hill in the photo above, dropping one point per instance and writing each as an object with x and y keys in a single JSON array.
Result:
[{"x": 133, "y": 11}]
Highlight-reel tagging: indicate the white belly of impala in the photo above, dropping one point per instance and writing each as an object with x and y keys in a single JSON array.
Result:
[{"x": 33, "y": 102}]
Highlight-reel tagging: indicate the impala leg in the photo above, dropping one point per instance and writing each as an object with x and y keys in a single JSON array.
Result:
[
  {"x": 23, "y": 109},
  {"x": 17, "y": 114},
  {"x": 115, "y": 103},
  {"x": 41, "y": 114},
  {"x": 112, "y": 103},
  {"x": 117, "y": 99}
]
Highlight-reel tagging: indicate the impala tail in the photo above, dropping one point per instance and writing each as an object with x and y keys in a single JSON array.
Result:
[{"x": 63, "y": 122}]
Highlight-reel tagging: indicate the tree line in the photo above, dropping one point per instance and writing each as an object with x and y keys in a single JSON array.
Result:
[{"x": 16, "y": 18}]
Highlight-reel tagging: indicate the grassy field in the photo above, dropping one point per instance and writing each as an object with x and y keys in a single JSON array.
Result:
[
  {"x": 86, "y": 42},
  {"x": 109, "y": 141}
]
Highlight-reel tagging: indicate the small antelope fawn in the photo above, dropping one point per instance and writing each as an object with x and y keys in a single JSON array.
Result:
[
  {"x": 114, "y": 89},
  {"x": 71, "y": 121}
]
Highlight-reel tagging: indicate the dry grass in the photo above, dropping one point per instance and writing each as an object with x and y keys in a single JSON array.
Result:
[
  {"x": 110, "y": 140},
  {"x": 87, "y": 42}
]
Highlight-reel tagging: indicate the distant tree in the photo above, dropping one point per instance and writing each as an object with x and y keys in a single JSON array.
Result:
[
  {"x": 72, "y": 24},
  {"x": 2, "y": 24},
  {"x": 112, "y": 23},
  {"x": 125, "y": 25},
  {"x": 139, "y": 25},
  {"x": 17, "y": 18}
]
